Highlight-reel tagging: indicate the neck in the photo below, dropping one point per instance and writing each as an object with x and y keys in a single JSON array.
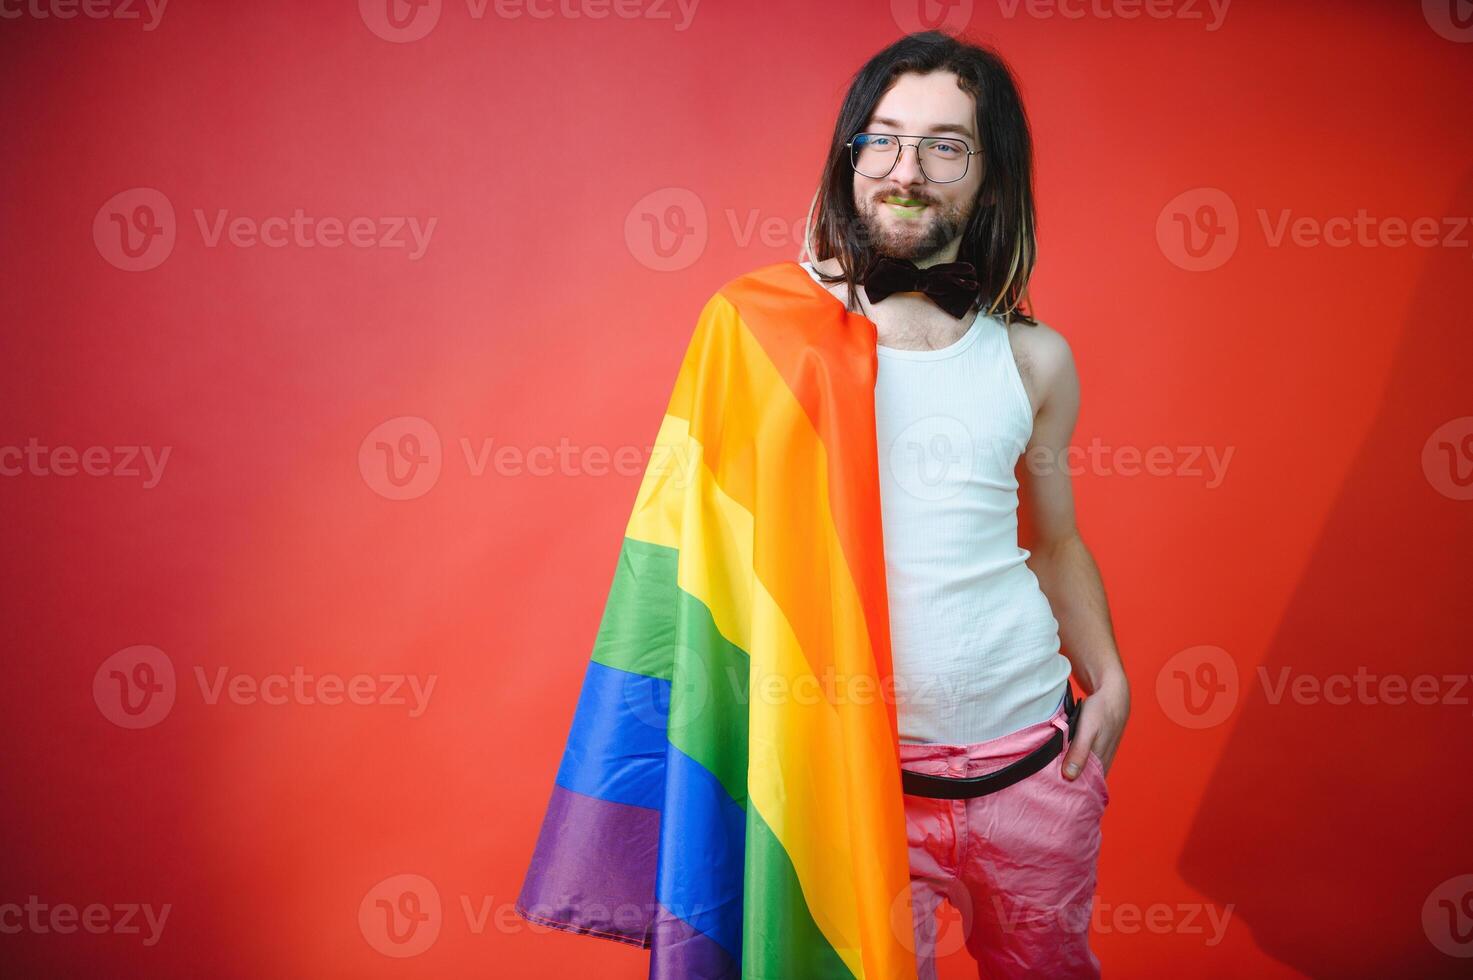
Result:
[{"x": 947, "y": 253}]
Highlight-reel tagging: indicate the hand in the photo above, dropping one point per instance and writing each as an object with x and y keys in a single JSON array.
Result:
[{"x": 1100, "y": 724}]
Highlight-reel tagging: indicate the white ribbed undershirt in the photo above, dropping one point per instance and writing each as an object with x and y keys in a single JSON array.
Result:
[{"x": 974, "y": 642}]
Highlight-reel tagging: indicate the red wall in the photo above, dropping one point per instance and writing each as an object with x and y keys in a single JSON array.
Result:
[{"x": 541, "y": 315}]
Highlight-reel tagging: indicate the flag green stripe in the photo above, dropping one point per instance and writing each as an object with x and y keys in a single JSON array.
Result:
[
  {"x": 653, "y": 627},
  {"x": 787, "y": 942}
]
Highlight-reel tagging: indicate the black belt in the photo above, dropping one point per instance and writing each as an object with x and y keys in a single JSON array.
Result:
[{"x": 964, "y": 787}]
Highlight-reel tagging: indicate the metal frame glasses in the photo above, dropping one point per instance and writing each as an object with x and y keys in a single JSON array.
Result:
[{"x": 931, "y": 140}]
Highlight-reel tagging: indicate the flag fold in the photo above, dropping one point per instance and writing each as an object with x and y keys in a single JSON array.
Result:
[{"x": 729, "y": 794}]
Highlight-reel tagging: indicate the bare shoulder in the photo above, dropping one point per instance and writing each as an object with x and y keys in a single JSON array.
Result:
[{"x": 1045, "y": 360}]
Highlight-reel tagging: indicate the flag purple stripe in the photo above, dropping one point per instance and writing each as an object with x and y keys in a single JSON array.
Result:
[
  {"x": 591, "y": 856},
  {"x": 682, "y": 952}
]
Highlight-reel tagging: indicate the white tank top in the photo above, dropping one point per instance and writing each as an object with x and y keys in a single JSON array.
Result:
[{"x": 974, "y": 642}]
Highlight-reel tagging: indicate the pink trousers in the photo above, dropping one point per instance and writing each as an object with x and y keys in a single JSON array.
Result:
[{"x": 1016, "y": 867}]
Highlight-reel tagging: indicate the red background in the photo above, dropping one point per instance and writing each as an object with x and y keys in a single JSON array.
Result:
[{"x": 546, "y": 149}]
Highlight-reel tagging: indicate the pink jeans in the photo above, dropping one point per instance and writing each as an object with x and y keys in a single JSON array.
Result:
[{"x": 1017, "y": 865}]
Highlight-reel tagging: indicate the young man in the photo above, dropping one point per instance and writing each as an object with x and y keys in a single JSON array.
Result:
[
  {"x": 940, "y": 173},
  {"x": 831, "y": 511}
]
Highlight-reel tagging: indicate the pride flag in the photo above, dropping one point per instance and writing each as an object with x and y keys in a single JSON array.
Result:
[{"x": 729, "y": 795}]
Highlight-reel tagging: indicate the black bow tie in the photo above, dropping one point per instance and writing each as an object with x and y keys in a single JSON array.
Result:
[{"x": 952, "y": 286}]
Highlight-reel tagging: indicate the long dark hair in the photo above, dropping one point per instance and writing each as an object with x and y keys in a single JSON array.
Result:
[{"x": 999, "y": 238}]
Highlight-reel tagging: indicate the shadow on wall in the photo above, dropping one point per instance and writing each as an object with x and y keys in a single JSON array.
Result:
[{"x": 1338, "y": 830}]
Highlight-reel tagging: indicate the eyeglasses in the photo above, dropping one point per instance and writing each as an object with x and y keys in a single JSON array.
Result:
[{"x": 942, "y": 160}]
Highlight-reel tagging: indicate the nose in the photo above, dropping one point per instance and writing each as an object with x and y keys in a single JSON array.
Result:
[{"x": 907, "y": 169}]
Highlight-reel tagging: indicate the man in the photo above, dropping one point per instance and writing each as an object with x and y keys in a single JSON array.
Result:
[
  {"x": 975, "y": 643},
  {"x": 730, "y": 796}
]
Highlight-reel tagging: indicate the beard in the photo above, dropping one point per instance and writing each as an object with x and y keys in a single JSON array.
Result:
[{"x": 913, "y": 239}]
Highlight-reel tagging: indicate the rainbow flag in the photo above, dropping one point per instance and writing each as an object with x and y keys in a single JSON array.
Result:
[{"x": 729, "y": 796}]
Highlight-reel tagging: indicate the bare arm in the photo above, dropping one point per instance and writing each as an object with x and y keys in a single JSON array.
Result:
[{"x": 1065, "y": 569}]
